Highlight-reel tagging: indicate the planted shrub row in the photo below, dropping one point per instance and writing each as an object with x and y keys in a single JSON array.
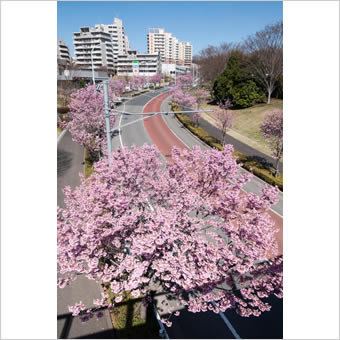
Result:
[{"x": 248, "y": 163}]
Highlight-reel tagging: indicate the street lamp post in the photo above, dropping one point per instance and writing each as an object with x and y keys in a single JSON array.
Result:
[
  {"x": 107, "y": 119},
  {"x": 102, "y": 43}
]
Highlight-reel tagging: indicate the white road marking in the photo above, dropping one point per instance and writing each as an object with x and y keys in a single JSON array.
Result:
[
  {"x": 120, "y": 131},
  {"x": 120, "y": 120},
  {"x": 224, "y": 318},
  {"x": 228, "y": 323},
  {"x": 61, "y": 136}
]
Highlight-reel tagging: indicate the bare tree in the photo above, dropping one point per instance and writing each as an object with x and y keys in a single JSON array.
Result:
[
  {"x": 266, "y": 56},
  {"x": 213, "y": 59}
]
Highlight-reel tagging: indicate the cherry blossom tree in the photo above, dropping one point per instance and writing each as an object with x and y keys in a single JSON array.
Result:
[
  {"x": 138, "y": 82},
  {"x": 183, "y": 99},
  {"x": 184, "y": 80},
  {"x": 117, "y": 86},
  {"x": 196, "y": 117},
  {"x": 272, "y": 129},
  {"x": 225, "y": 119},
  {"x": 184, "y": 228},
  {"x": 87, "y": 121},
  {"x": 200, "y": 96},
  {"x": 156, "y": 78}
]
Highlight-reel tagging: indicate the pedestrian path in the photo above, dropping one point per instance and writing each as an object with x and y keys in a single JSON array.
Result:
[
  {"x": 238, "y": 145},
  {"x": 70, "y": 157}
]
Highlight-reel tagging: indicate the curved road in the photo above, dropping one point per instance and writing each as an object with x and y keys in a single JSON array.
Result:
[
  {"x": 165, "y": 139},
  {"x": 156, "y": 130}
]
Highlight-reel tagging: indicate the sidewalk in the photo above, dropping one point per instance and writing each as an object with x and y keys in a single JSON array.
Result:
[
  {"x": 238, "y": 145},
  {"x": 70, "y": 157}
]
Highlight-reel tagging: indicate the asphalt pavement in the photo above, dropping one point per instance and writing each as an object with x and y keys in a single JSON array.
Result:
[
  {"x": 197, "y": 325},
  {"x": 187, "y": 325}
]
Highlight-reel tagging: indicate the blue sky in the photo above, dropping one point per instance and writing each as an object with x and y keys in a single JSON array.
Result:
[{"x": 199, "y": 22}]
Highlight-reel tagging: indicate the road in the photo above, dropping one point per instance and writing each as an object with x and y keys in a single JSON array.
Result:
[
  {"x": 167, "y": 132},
  {"x": 155, "y": 130},
  {"x": 187, "y": 325},
  {"x": 70, "y": 157}
]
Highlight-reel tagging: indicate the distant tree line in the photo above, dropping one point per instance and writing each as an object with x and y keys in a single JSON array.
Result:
[{"x": 248, "y": 72}]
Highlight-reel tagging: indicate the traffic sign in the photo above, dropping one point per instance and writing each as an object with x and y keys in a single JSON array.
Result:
[{"x": 135, "y": 66}]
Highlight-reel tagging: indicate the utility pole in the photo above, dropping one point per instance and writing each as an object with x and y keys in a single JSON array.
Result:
[{"x": 107, "y": 118}]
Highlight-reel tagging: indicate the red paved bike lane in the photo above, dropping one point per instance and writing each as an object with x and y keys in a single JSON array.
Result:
[{"x": 165, "y": 140}]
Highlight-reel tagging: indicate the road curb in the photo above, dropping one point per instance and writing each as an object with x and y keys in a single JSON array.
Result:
[{"x": 61, "y": 136}]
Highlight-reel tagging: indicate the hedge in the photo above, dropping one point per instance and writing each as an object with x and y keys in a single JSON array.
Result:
[
  {"x": 88, "y": 162},
  {"x": 248, "y": 162},
  {"x": 63, "y": 109},
  {"x": 137, "y": 94}
]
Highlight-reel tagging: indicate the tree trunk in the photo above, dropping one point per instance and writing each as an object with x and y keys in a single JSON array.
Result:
[
  {"x": 269, "y": 95},
  {"x": 277, "y": 168}
]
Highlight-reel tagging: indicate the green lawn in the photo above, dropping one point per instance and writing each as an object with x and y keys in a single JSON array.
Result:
[{"x": 247, "y": 123}]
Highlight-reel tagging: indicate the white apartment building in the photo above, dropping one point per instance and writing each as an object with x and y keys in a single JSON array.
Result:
[
  {"x": 120, "y": 40},
  {"x": 100, "y": 42},
  {"x": 111, "y": 41},
  {"x": 133, "y": 63},
  {"x": 187, "y": 50},
  {"x": 63, "y": 51},
  {"x": 172, "y": 50}
]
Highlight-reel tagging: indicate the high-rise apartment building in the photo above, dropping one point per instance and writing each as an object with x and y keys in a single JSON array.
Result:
[
  {"x": 110, "y": 40},
  {"x": 63, "y": 51},
  {"x": 120, "y": 40},
  {"x": 172, "y": 50},
  {"x": 187, "y": 50},
  {"x": 96, "y": 41}
]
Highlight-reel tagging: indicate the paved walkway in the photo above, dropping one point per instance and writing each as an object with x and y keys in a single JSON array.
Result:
[
  {"x": 70, "y": 157},
  {"x": 238, "y": 145}
]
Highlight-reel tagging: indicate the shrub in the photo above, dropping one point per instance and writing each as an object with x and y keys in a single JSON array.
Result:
[
  {"x": 259, "y": 170},
  {"x": 248, "y": 163}
]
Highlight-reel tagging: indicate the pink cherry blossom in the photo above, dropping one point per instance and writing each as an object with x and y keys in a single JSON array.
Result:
[
  {"x": 185, "y": 227},
  {"x": 156, "y": 78},
  {"x": 138, "y": 82},
  {"x": 117, "y": 86},
  {"x": 272, "y": 129},
  {"x": 87, "y": 122}
]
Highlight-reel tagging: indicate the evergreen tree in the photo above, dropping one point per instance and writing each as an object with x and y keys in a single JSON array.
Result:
[{"x": 236, "y": 84}]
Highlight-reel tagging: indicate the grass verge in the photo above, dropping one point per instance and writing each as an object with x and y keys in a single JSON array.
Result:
[
  {"x": 249, "y": 163},
  {"x": 247, "y": 123},
  {"x": 139, "y": 93},
  {"x": 88, "y": 164},
  {"x": 131, "y": 320}
]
